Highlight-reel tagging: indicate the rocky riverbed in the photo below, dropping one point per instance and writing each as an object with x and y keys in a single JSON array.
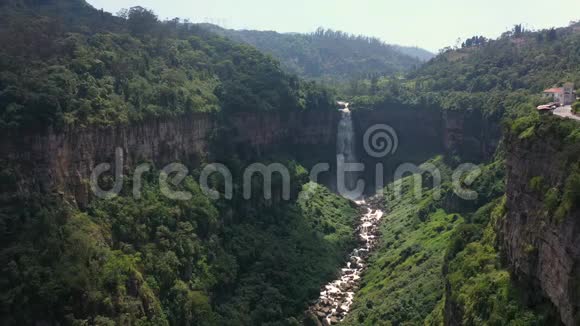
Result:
[{"x": 336, "y": 297}]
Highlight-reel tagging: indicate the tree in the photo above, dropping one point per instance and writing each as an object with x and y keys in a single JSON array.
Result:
[
  {"x": 576, "y": 108},
  {"x": 551, "y": 35},
  {"x": 518, "y": 30},
  {"x": 141, "y": 21}
]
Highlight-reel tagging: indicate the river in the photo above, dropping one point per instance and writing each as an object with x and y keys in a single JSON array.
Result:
[{"x": 336, "y": 297}]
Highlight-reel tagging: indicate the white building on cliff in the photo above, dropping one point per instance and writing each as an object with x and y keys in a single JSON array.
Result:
[{"x": 564, "y": 95}]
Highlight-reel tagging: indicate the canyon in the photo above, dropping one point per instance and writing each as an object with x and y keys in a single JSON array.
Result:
[
  {"x": 62, "y": 160},
  {"x": 543, "y": 250}
]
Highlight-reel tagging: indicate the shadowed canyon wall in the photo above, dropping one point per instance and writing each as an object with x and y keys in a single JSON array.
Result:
[
  {"x": 542, "y": 242},
  {"x": 63, "y": 161}
]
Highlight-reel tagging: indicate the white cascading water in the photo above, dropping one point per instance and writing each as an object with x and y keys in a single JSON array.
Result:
[
  {"x": 336, "y": 297},
  {"x": 345, "y": 146}
]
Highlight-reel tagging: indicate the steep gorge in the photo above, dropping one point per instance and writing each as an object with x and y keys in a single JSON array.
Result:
[
  {"x": 540, "y": 249},
  {"x": 68, "y": 257},
  {"x": 48, "y": 160},
  {"x": 63, "y": 160},
  {"x": 540, "y": 235}
]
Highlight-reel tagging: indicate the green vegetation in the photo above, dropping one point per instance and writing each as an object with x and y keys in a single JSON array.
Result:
[
  {"x": 558, "y": 201},
  {"x": 532, "y": 127},
  {"x": 571, "y": 194},
  {"x": 537, "y": 184},
  {"x": 481, "y": 290},
  {"x": 156, "y": 261},
  {"x": 494, "y": 79},
  {"x": 434, "y": 262},
  {"x": 330, "y": 55},
  {"x": 404, "y": 283},
  {"x": 87, "y": 67},
  {"x": 576, "y": 108},
  {"x": 57, "y": 264},
  {"x": 285, "y": 255},
  {"x": 552, "y": 200},
  {"x": 517, "y": 60}
]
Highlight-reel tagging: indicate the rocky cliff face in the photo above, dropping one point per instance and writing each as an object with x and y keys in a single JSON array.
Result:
[
  {"x": 418, "y": 134},
  {"x": 542, "y": 250},
  {"x": 471, "y": 135},
  {"x": 424, "y": 133},
  {"x": 63, "y": 161}
]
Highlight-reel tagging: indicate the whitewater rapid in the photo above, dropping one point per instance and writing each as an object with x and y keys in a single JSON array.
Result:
[{"x": 337, "y": 296}]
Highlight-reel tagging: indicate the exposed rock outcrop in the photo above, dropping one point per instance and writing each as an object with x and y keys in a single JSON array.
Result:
[
  {"x": 542, "y": 250},
  {"x": 63, "y": 161},
  {"x": 425, "y": 132}
]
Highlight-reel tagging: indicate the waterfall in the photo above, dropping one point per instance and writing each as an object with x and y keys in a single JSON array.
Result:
[
  {"x": 336, "y": 297},
  {"x": 345, "y": 146}
]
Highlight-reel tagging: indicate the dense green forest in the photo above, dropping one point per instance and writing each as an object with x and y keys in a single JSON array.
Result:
[
  {"x": 151, "y": 260},
  {"x": 495, "y": 77},
  {"x": 71, "y": 65},
  {"x": 328, "y": 55},
  {"x": 155, "y": 261}
]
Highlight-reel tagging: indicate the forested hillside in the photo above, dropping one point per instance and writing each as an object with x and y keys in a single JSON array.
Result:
[
  {"x": 415, "y": 52},
  {"x": 520, "y": 59},
  {"x": 483, "y": 70},
  {"x": 435, "y": 270},
  {"x": 149, "y": 260},
  {"x": 66, "y": 64},
  {"x": 330, "y": 55},
  {"x": 157, "y": 261},
  {"x": 142, "y": 258}
]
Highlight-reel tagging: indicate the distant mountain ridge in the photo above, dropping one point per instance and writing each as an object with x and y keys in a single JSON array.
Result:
[
  {"x": 415, "y": 52},
  {"x": 330, "y": 55}
]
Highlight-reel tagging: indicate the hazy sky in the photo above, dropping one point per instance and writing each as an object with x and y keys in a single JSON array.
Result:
[{"x": 431, "y": 24}]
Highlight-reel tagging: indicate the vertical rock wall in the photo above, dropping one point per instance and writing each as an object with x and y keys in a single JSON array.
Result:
[{"x": 542, "y": 250}]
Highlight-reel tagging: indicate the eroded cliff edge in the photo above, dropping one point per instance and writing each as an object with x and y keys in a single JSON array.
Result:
[
  {"x": 541, "y": 234},
  {"x": 49, "y": 160},
  {"x": 62, "y": 161}
]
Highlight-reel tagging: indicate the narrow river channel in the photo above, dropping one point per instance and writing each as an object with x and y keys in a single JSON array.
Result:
[{"x": 337, "y": 296}]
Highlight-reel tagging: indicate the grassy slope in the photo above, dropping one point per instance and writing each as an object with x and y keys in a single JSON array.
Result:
[
  {"x": 404, "y": 282},
  {"x": 431, "y": 260}
]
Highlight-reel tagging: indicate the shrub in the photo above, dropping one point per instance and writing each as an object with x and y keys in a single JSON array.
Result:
[
  {"x": 576, "y": 108},
  {"x": 536, "y": 184},
  {"x": 571, "y": 195},
  {"x": 552, "y": 200},
  {"x": 525, "y": 125},
  {"x": 528, "y": 133}
]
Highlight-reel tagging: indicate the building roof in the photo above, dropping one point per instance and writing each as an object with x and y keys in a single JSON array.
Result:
[{"x": 555, "y": 90}]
